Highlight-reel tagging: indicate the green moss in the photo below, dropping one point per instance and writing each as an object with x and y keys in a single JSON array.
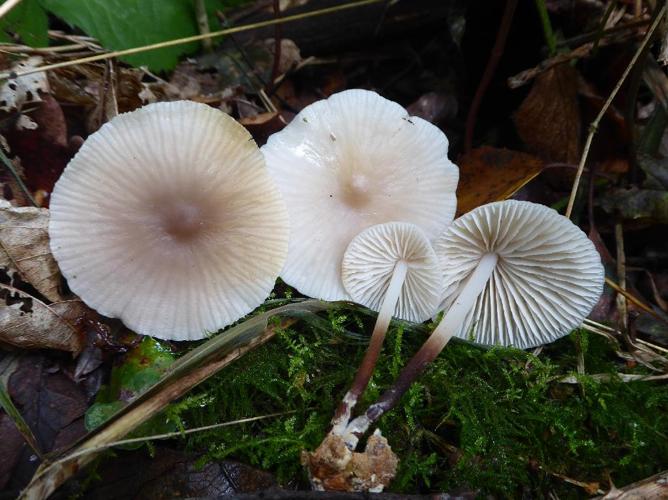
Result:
[{"x": 496, "y": 420}]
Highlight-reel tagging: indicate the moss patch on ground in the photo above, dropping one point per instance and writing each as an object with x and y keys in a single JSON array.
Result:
[{"x": 494, "y": 420}]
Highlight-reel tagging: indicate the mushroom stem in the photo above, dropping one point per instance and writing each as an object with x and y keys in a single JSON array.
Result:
[
  {"x": 364, "y": 372},
  {"x": 428, "y": 352}
]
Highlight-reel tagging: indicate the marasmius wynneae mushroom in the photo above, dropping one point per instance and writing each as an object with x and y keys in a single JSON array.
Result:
[
  {"x": 518, "y": 274},
  {"x": 347, "y": 163},
  {"x": 393, "y": 269},
  {"x": 168, "y": 219}
]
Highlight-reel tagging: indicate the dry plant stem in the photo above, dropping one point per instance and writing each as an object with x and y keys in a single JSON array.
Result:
[
  {"x": 10, "y": 167},
  {"x": 203, "y": 24},
  {"x": 168, "y": 435},
  {"x": 594, "y": 125},
  {"x": 7, "y": 6},
  {"x": 194, "y": 38},
  {"x": 621, "y": 275},
  {"x": 493, "y": 62},
  {"x": 439, "y": 338},
  {"x": 364, "y": 372}
]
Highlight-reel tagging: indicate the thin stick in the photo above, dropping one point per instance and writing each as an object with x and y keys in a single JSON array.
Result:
[
  {"x": 167, "y": 435},
  {"x": 439, "y": 338},
  {"x": 194, "y": 38},
  {"x": 7, "y": 6},
  {"x": 594, "y": 125},
  {"x": 495, "y": 56},
  {"x": 10, "y": 167},
  {"x": 621, "y": 275},
  {"x": 203, "y": 23}
]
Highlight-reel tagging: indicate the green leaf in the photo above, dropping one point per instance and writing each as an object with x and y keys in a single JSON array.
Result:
[
  {"x": 124, "y": 24},
  {"x": 28, "y": 21}
]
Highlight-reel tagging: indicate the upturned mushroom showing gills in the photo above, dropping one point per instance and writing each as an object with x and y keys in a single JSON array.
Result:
[
  {"x": 391, "y": 268},
  {"x": 519, "y": 274},
  {"x": 167, "y": 219},
  {"x": 347, "y": 163}
]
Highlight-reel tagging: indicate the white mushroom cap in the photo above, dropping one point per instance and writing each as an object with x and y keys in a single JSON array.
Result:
[
  {"x": 167, "y": 219},
  {"x": 349, "y": 162},
  {"x": 370, "y": 260},
  {"x": 547, "y": 279}
]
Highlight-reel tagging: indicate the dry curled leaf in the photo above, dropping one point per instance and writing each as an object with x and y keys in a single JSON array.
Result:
[
  {"x": 29, "y": 323},
  {"x": 24, "y": 248},
  {"x": 548, "y": 120},
  {"x": 17, "y": 92},
  {"x": 489, "y": 174}
]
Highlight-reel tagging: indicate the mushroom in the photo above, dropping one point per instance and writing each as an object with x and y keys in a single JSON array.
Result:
[
  {"x": 390, "y": 268},
  {"x": 167, "y": 219},
  {"x": 522, "y": 275},
  {"x": 349, "y": 162}
]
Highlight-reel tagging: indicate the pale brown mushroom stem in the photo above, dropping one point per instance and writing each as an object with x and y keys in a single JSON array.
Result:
[
  {"x": 428, "y": 352},
  {"x": 364, "y": 372}
]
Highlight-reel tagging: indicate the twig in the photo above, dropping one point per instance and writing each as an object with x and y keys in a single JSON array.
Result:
[
  {"x": 203, "y": 24},
  {"x": 168, "y": 435},
  {"x": 621, "y": 276},
  {"x": 194, "y": 38},
  {"x": 594, "y": 125},
  {"x": 7, "y": 6},
  {"x": 10, "y": 167},
  {"x": 278, "y": 33},
  {"x": 495, "y": 56}
]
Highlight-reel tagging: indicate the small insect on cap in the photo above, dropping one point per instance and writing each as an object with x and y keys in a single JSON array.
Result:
[
  {"x": 369, "y": 263},
  {"x": 167, "y": 219},
  {"x": 547, "y": 278},
  {"x": 349, "y": 162}
]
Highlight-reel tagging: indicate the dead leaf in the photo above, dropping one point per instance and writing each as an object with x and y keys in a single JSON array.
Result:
[
  {"x": 435, "y": 107},
  {"x": 44, "y": 150},
  {"x": 24, "y": 248},
  {"x": 262, "y": 125},
  {"x": 174, "y": 474},
  {"x": 51, "y": 404},
  {"x": 15, "y": 93},
  {"x": 646, "y": 205},
  {"x": 29, "y": 323},
  {"x": 548, "y": 120},
  {"x": 489, "y": 174}
]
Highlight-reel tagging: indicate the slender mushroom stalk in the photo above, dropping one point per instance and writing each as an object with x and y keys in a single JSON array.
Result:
[
  {"x": 365, "y": 370},
  {"x": 391, "y": 268},
  {"x": 392, "y": 265},
  {"x": 536, "y": 278}
]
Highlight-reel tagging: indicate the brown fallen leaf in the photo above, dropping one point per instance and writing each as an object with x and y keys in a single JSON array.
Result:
[
  {"x": 24, "y": 248},
  {"x": 30, "y": 323},
  {"x": 548, "y": 120},
  {"x": 489, "y": 174}
]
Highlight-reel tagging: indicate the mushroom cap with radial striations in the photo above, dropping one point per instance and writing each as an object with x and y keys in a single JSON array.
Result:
[
  {"x": 547, "y": 279},
  {"x": 349, "y": 162},
  {"x": 369, "y": 262},
  {"x": 168, "y": 219}
]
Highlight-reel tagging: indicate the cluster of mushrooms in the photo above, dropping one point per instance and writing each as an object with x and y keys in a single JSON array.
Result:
[{"x": 173, "y": 220}]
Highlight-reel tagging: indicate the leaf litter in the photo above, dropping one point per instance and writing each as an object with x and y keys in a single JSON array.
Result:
[{"x": 447, "y": 444}]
